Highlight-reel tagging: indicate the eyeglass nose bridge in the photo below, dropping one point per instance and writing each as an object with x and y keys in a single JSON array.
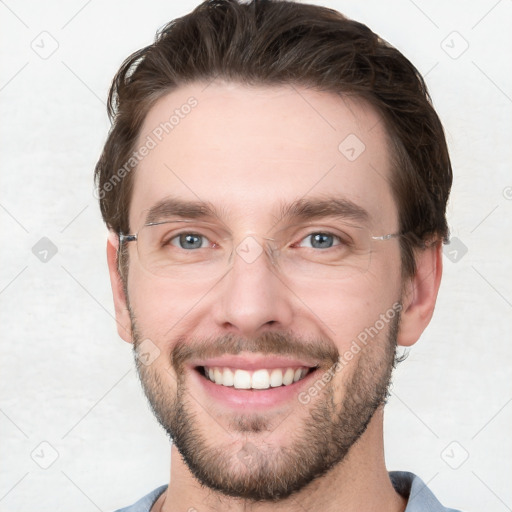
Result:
[{"x": 250, "y": 249}]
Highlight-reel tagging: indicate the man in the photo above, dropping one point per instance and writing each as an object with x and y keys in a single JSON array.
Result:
[{"x": 275, "y": 185}]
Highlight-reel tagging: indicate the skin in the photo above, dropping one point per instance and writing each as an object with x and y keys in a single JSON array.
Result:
[{"x": 246, "y": 149}]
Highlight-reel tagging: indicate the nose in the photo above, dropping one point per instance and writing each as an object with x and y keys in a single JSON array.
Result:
[{"x": 252, "y": 296}]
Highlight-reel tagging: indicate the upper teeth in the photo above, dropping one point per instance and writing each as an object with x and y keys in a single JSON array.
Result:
[{"x": 257, "y": 379}]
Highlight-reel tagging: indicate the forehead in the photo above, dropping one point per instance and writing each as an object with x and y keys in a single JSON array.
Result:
[{"x": 249, "y": 150}]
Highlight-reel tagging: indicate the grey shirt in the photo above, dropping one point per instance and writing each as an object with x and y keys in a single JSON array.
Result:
[{"x": 410, "y": 486}]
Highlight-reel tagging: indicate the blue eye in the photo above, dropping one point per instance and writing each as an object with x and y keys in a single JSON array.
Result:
[
  {"x": 319, "y": 241},
  {"x": 189, "y": 241}
]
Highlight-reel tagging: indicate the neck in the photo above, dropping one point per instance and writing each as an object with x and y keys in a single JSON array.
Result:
[{"x": 360, "y": 482}]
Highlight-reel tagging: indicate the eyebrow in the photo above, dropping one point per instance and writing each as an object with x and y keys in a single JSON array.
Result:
[
  {"x": 174, "y": 207},
  {"x": 299, "y": 210},
  {"x": 313, "y": 209}
]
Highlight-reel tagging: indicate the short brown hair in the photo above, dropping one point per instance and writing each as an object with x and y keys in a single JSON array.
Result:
[{"x": 272, "y": 42}]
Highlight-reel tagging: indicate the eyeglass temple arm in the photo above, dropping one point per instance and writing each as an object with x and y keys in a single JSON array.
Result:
[
  {"x": 126, "y": 238},
  {"x": 387, "y": 237}
]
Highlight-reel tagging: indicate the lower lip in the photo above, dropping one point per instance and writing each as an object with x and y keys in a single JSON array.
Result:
[{"x": 252, "y": 399}]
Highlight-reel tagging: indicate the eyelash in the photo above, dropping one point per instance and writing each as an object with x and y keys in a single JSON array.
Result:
[
  {"x": 176, "y": 236},
  {"x": 340, "y": 240},
  {"x": 325, "y": 233}
]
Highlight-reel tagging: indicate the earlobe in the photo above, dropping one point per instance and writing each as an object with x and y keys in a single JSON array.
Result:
[
  {"x": 420, "y": 294},
  {"x": 118, "y": 292}
]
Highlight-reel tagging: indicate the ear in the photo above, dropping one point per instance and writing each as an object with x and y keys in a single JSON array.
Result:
[
  {"x": 420, "y": 294},
  {"x": 120, "y": 302}
]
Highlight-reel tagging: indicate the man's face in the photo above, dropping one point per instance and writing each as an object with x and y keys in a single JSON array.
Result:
[{"x": 256, "y": 294}]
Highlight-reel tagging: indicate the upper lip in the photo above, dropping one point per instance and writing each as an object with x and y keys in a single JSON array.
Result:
[{"x": 251, "y": 362}]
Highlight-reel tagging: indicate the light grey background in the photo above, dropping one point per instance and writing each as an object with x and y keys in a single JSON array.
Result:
[{"x": 68, "y": 382}]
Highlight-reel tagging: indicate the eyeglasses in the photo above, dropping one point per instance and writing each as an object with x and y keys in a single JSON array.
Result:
[{"x": 195, "y": 250}]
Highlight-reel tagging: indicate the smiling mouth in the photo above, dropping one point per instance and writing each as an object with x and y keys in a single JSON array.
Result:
[{"x": 259, "y": 379}]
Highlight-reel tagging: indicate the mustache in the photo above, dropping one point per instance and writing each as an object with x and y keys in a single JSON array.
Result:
[{"x": 271, "y": 343}]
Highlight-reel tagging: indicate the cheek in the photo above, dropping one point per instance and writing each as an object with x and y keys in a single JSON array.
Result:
[
  {"x": 346, "y": 310},
  {"x": 162, "y": 307}
]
